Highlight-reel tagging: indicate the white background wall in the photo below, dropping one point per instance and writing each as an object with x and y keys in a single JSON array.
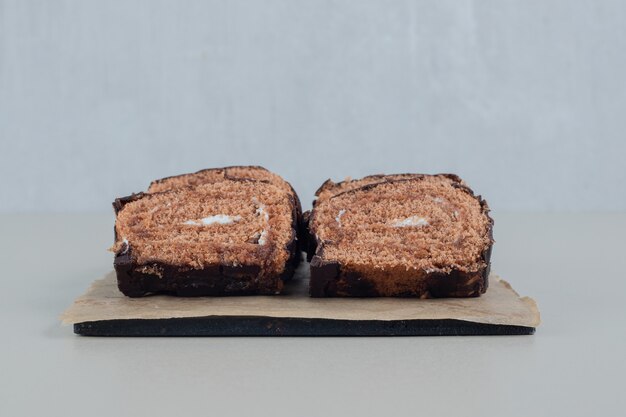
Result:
[{"x": 525, "y": 99}]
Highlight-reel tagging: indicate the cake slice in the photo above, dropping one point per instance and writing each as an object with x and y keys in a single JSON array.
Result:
[
  {"x": 227, "y": 231},
  {"x": 408, "y": 235}
]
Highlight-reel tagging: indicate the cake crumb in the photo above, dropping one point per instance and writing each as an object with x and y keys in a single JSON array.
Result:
[{"x": 151, "y": 269}]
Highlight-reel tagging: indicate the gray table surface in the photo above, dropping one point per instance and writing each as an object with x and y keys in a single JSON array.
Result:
[{"x": 573, "y": 265}]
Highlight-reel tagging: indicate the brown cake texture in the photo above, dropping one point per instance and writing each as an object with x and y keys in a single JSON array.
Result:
[
  {"x": 249, "y": 172},
  {"x": 411, "y": 235},
  {"x": 226, "y": 231}
]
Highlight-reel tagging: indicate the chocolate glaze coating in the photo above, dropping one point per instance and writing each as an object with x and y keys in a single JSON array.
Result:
[
  {"x": 330, "y": 279},
  {"x": 135, "y": 280}
]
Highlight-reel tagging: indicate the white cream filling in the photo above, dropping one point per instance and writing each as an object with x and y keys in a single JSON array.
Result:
[
  {"x": 216, "y": 219},
  {"x": 338, "y": 218},
  {"x": 260, "y": 211},
  {"x": 413, "y": 221},
  {"x": 126, "y": 246}
]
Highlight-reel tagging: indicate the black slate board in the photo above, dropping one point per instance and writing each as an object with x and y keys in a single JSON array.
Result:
[{"x": 271, "y": 326}]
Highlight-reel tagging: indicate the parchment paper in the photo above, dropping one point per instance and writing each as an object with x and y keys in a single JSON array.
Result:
[{"x": 499, "y": 305}]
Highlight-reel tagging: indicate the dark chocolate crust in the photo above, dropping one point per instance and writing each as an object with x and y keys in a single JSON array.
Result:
[
  {"x": 137, "y": 280},
  {"x": 331, "y": 279}
]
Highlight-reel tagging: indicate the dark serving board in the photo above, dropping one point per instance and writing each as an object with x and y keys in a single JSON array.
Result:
[
  {"x": 104, "y": 311},
  {"x": 271, "y": 326}
]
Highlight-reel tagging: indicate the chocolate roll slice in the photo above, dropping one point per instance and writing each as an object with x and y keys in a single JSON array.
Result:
[{"x": 406, "y": 235}]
